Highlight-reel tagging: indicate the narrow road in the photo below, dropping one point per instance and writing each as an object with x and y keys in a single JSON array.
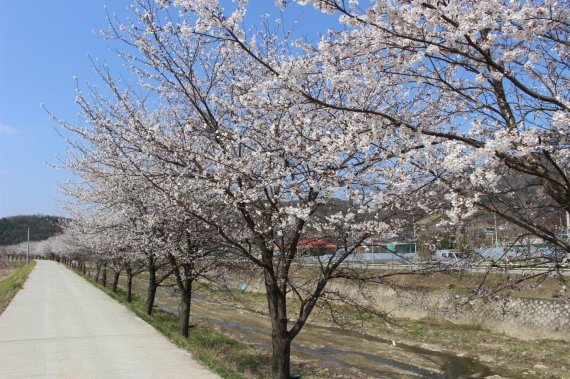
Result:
[{"x": 60, "y": 326}]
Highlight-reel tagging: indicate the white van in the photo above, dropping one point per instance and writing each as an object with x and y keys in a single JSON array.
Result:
[{"x": 449, "y": 255}]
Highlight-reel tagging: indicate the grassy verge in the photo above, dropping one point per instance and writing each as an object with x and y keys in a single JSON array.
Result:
[
  {"x": 10, "y": 285},
  {"x": 225, "y": 356}
]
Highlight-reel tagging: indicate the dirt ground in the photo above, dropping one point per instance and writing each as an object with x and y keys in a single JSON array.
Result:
[{"x": 539, "y": 288}]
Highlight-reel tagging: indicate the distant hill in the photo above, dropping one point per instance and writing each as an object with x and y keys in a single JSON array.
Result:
[{"x": 14, "y": 229}]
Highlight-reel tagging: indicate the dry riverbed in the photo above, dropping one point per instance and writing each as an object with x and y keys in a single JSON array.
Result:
[{"x": 372, "y": 346}]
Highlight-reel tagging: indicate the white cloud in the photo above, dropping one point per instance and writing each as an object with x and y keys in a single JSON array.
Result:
[{"x": 5, "y": 129}]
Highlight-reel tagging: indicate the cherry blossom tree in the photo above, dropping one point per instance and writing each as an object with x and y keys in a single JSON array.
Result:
[
  {"x": 193, "y": 255},
  {"x": 496, "y": 75},
  {"x": 412, "y": 105},
  {"x": 248, "y": 156},
  {"x": 108, "y": 184},
  {"x": 483, "y": 86}
]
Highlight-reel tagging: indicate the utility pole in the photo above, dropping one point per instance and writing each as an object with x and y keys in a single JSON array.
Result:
[{"x": 28, "y": 253}]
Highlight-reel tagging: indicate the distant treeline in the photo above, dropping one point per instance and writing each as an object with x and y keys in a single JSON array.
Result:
[{"x": 14, "y": 229}]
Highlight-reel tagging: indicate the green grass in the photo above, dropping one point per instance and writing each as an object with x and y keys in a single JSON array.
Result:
[
  {"x": 11, "y": 285},
  {"x": 416, "y": 332},
  {"x": 227, "y": 357},
  {"x": 364, "y": 316},
  {"x": 515, "y": 349}
]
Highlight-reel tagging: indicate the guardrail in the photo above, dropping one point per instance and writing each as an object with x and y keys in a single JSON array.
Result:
[{"x": 441, "y": 266}]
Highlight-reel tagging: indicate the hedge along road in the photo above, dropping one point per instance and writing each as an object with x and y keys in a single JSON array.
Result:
[{"x": 59, "y": 325}]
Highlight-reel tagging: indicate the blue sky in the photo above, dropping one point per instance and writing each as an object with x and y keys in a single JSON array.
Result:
[{"x": 43, "y": 45}]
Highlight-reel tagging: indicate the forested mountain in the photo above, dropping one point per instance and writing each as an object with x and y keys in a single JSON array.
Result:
[{"x": 14, "y": 229}]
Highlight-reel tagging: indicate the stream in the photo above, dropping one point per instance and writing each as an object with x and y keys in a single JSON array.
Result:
[
  {"x": 337, "y": 349},
  {"x": 340, "y": 351}
]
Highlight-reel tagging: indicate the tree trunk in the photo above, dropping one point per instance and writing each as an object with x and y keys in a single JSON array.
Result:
[
  {"x": 116, "y": 280},
  {"x": 98, "y": 274},
  {"x": 151, "y": 293},
  {"x": 184, "y": 312},
  {"x": 129, "y": 285},
  {"x": 280, "y": 341},
  {"x": 281, "y": 357},
  {"x": 104, "y": 279}
]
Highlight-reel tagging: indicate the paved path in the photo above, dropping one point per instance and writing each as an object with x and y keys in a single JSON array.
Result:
[{"x": 60, "y": 326}]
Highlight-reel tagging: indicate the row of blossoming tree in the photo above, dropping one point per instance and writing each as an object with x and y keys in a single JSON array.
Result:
[{"x": 236, "y": 143}]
